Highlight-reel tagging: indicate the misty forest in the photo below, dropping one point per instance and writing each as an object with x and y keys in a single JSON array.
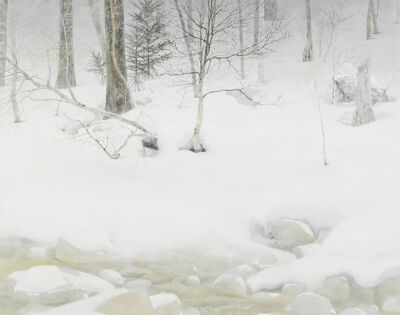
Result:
[{"x": 199, "y": 157}]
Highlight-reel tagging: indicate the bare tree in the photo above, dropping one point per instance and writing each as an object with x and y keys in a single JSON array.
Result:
[
  {"x": 94, "y": 6},
  {"x": 118, "y": 98},
  {"x": 369, "y": 18},
  {"x": 66, "y": 71},
  {"x": 364, "y": 113},
  {"x": 397, "y": 12},
  {"x": 241, "y": 39},
  {"x": 375, "y": 15},
  {"x": 14, "y": 71},
  {"x": 3, "y": 39},
  {"x": 308, "y": 51},
  {"x": 187, "y": 39},
  {"x": 214, "y": 22},
  {"x": 257, "y": 25}
]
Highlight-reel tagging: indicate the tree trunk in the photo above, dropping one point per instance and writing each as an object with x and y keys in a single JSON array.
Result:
[
  {"x": 270, "y": 10},
  {"x": 241, "y": 40},
  {"x": 308, "y": 51},
  {"x": 66, "y": 71},
  {"x": 375, "y": 14},
  {"x": 94, "y": 6},
  {"x": 260, "y": 59},
  {"x": 3, "y": 40},
  {"x": 14, "y": 57},
  {"x": 397, "y": 12},
  {"x": 364, "y": 113},
  {"x": 118, "y": 97},
  {"x": 369, "y": 18},
  {"x": 188, "y": 48}
]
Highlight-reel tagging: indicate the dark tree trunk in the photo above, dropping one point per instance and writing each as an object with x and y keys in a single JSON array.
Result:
[
  {"x": 117, "y": 99},
  {"x": 3, "y": 39},
  {"x": 66, "y": 69}
]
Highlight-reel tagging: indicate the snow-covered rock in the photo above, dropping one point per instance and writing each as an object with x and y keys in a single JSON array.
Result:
[
  {"x": 369, "y": 309},
  {"x": 345, "y": 85},
  {"x": 131, "y": 303},
  {"x": 37, "y": 252},
  {"x": 391, "y": 304},
  {"x": 336, "y": 289},
  {"x": 112, "y": 276},
  {"x": 193, "y": 280},
  {"x": 310, "y": 304},
  {"x": 54, "y": 285},
  {"x": 293, "y": 289},
  {"x": 353, "y": 311},
  {"x": 232, "y": 285},
  {"x": 288, "y": 233},
  {"x": 72, "y": 253},
  {"x": 138, "y": 284},
  {"x": 245, "y": 270},
  {"x": 165, "y": 304}
]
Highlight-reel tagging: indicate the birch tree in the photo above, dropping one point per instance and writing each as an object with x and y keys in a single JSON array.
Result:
[
  {"x": 214, "y": 21},
  {"x": 94, "y": 6},
  {"x": 364, "y": 113},
  {"x": 3, "y": 40},
  {"x": 187, "y": 40},
  {"x": 257, "y": 25},
  {"x": 270, "y": 10},
  {"x": 308, "y": 50},
  {"x": 14, "y": 72},
  {"x": 397, "y": 12},
  {"x": 118, "y": 98},
  {"x": 66, "y": 69},
  {"x": 241, "y": 40}
]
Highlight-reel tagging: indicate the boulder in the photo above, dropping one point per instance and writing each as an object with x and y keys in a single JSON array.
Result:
[
  {"x": 193, "y": 281},
  {"x": 112, "y": 276},
  {"x": 139, "y": 284},
  {"x": 131, "y": 303},
  {"x": 353, "y": 311},
  {"x": 293, "y": 289},
  {"x": 288, "y": 233},
  {"x": 336, "y": 289},
  {"x": 391, "y": 304},
  {"x": 310, "y": 304},
  {"x": 72, "y": 253},
  {"x": 369, "y": 309},
  {"x": 165, "y": 304},
  {"x": 231, "y": 285},
  {"x": 245, "y": 270}
]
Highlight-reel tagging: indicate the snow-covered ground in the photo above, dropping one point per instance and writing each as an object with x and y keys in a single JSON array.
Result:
[{"x": 262, "y": 163}]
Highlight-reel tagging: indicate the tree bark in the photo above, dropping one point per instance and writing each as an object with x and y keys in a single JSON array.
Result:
[
  {"x": 241, "y": 40},
  {"x": 188, "y": 48},
  {"x": 260, "y": 59},
  {"x": 375, "y": 14},
  {"x": 308, "y": 50},
  {"x": 66, "y": 69},
  {"x": 3, "y": 40},
  {"x": 118, "y": 98},
  {"x": 270, "y": 10},
  {"x": 14, "y": 57},
  {"x": 94, "y": 6},
  {"x": 369, "y": 18},
  {"x": 397, "y": 12},
  {"x": 364, "y": 113}
]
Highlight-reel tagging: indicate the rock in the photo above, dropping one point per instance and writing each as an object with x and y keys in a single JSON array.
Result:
[
  {"x": 131, "y": 303},
  {"x": 165, "y": 304},
  {"x": 293, "y": 289},
  {"x": 149, "y": 146},
  {"x": 53, "y": 285},
  {"x": 245, "y": 270},
  {"x": 345, "y": 85},
  {"x": 336, "y": 289},
  {"x": 391, "y": 304},
  {"x": 289, "y": 233},
  {"x": 37, "y": 252},
  {"x": 369, "y": 309},
  {"x": 310, "y": 304},
  {"x": 70, "y": 253},
  {"x": 112, "y": 276},
  {"x": 193, "y": 281},
  {"x": 353, "y": 311},
  {"x": 139, "y": 284},
  {"x": 231, "y": 285}
]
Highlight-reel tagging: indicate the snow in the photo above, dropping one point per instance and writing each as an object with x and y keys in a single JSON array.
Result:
[{"x": 262, "y": 162}]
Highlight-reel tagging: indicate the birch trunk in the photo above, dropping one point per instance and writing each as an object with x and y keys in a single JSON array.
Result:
[
  {"x": 66, "y": 70},
  {"x": 3, "y": 40},
  {"x": 308, "y": 50},
  {"x": 375, "y": 14},
  {"x": 94, "y": 6},
  {"x": 188, "y": 48},
  {"x": 241, "y": 40},
  {"x": 118, "y": 97},
  {"x": 14, "y": 57},
  {"x": 270, "y": 10},
  {"x": 364, "y": 113},
  {"x": 397, "y": 12},
  {"x": 260, "y": 59},
  {"x": 369, "y": 18}
]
